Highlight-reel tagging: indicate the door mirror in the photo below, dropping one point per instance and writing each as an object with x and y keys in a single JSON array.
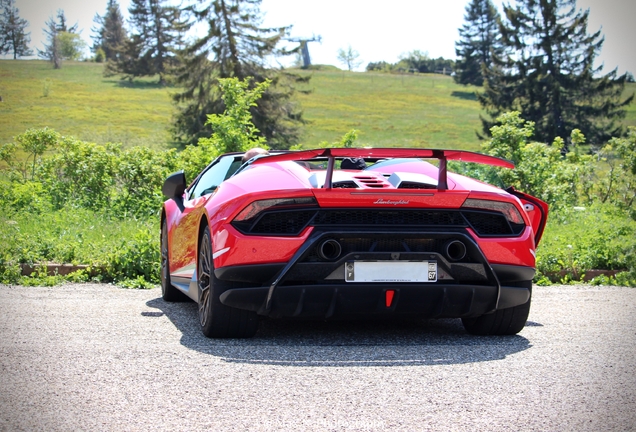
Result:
[{"x": 174, "y": 187}]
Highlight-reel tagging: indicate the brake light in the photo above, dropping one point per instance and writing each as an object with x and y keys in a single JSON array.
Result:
[
  {"x": 256, "y": 207},
  {"x": 508, "y": 209}
]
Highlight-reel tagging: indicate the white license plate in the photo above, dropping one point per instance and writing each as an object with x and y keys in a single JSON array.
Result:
[{"x": 391, "y": 271}]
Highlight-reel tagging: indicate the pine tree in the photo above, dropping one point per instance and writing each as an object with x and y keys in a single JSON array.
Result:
[
  {"x": 479, "y": 41},
  {"x": 234, "y": 46},
  {"x": 12, "y": 31},
  {"x": 548, "y": 74},
  {"x": 157, "y": 29},
  {"x": 110, "y": 33},
  {"x": 58, "y": 48}
]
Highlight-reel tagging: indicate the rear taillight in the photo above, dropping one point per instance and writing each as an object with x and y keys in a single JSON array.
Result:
[
  {"x": 507, "y": 209},
  {"x": 256, "y": 207}
]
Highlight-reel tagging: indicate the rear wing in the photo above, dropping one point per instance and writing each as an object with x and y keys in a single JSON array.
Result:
[{"x": 386, "y": 153}]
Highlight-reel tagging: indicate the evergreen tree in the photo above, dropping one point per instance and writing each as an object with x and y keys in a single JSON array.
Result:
[
  {"x": 547, "y": 74},
  {"x": 56, "y": 48},
  {"x": 110, "y": 33},
  {"x": 234, "y": 46},
  {"x": 479, "y": 41},
  {"x": 157, "y": 29},
  {"x": 12, "y": 31}
]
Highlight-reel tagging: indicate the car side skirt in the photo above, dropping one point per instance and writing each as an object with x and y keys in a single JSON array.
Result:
[{"x": 187, "y": 285}]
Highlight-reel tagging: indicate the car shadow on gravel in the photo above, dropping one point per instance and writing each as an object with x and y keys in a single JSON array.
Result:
[{"x": 343, "y": 343}]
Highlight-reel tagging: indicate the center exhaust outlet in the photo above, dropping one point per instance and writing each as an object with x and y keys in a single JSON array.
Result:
[
  {"x": 455, "y": 250},
  {"x": 329, "y": 250}
]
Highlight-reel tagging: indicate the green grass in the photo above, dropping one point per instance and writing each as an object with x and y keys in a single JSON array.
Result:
[
  {"x": 77, "y": 100},
  {"x": 119, "y": 249},
  {"x": 424, "y": 110},
  {"x": 391, "y": 110}
]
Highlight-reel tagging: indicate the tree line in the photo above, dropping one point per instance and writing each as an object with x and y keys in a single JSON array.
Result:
[
  {"x": 415, "y": 61},
  {"x": 538, "y": 59},
  {"x": 155, "y": 43}
]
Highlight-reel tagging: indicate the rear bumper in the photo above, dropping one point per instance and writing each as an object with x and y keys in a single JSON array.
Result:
[
  {"x": 351, "y": 300},
  {"x": 312, "y": 286}
]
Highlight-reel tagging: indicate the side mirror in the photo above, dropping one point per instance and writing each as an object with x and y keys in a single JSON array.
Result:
[{"x": 174, "y": 187}]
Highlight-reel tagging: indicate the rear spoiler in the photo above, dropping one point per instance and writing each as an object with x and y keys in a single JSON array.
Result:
[{"x": 385, "y": 153}]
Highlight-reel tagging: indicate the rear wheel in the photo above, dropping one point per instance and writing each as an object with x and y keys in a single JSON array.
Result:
[
  {"x": 216, "y": 319},
  {"x": 168, "y": 292},
  {"x": 508, "y": 321}
]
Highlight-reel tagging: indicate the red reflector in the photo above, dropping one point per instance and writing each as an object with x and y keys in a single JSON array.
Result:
[{"x": 389, "y": 297}]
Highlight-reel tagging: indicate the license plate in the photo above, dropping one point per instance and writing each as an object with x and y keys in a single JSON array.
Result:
[{"x": 391, "y": 271}]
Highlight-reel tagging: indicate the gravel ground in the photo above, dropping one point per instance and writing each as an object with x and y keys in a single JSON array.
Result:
[{"x": 96, "y": 357}]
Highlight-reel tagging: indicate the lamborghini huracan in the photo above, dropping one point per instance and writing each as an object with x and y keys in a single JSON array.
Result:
[{"x": 311, "y": 235}]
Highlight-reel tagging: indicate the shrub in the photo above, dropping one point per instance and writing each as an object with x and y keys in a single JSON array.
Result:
[
  {"x": 139, "y": 175},
  {"x": 80, "y": 173},
  {"x": 540, "y": 170},
  {"x": 100, "y": 56},
  {"x": 599, "y": 237},
  {"x": 619, "y": 185},
  {"x": 115, "y": 249}
]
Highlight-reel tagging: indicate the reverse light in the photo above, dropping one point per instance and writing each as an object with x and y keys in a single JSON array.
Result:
[
  {"x": 508, "y": 209},
  {"x": 256, "y": 207}
]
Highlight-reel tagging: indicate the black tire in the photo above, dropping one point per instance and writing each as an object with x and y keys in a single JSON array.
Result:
[
  {"x": 508, "y": 321},
  {"x": 216, "y": 319},
  {"x": 168, "y": 291}
]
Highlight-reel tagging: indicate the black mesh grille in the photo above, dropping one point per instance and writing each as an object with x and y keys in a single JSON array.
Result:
[
  {"x": 283, "y": 222},
  {"x": 389, "y": 218},
  {"x": 488, "y": 224},
  {"x": 292, "y": 222}
]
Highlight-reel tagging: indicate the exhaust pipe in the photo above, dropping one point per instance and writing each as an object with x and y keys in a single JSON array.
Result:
[
  {"x": 329, "y": 250},
  {"x": 455, "y": 250}
]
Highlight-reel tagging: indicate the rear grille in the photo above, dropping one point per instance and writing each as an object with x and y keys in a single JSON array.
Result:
[
  {"x": 290, "y": 222},
  {"x": 488, "y": 223},
  {"x": 293, "y": 221},
  {"x": 389, "y": 218}
]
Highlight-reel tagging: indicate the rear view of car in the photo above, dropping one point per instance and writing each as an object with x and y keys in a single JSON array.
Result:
[{"x": 295, "y": 235}]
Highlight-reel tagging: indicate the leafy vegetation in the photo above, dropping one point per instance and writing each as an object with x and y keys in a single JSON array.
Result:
[
  {"x": 592, "y": 223},
  {"x": 415, "y": 61},
  {"x": 583, "y": 239},
  {"x": 97, "y": 204}
]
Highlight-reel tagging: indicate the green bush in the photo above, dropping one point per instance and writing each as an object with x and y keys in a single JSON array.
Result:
[
  {"x": 138, "y": 177},
  {"x": 598, "y": 237},
  {"x": 115, "y": 249}
]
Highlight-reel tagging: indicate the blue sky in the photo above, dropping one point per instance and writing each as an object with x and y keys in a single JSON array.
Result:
[{"x": 377, "y": 30}]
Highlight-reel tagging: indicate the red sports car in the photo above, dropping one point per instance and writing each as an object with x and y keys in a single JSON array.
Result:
[{"x": 347, "y": 233}]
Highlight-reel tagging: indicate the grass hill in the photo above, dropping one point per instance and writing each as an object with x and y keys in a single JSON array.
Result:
[{"x": 389, "y": 110}]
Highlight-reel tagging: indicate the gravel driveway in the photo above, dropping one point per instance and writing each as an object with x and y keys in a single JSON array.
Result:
[{"x": 96, "y": 357}]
